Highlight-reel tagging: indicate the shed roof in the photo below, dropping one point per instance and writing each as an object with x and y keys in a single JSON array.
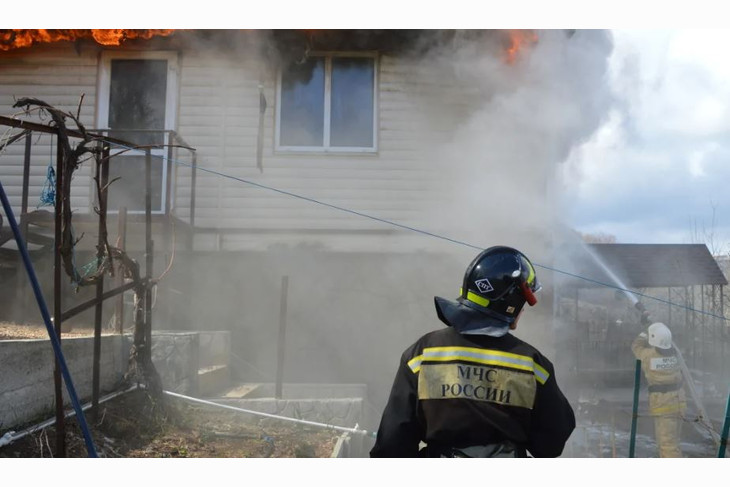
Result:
[{"x": 644, "y": 265}]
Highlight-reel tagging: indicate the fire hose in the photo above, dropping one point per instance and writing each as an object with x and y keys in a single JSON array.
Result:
[{"x": 355, "y": 430}]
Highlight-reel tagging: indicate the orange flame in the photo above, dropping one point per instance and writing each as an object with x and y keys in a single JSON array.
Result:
[
  {"x": 17, "y": 38},
  {"x": 518, "y": 41}
]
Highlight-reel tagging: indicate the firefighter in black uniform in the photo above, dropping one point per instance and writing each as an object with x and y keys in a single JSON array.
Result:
[{"x": 473, "y": 389}]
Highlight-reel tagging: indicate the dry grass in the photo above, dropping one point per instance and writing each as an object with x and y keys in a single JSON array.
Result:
[{"x": 18, "y": 331}]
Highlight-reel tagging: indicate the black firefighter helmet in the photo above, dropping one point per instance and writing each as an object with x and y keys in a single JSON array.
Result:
[{"x": 497, "y": 284}]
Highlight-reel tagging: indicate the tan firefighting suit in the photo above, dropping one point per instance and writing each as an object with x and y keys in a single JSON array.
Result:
[{"x": 667, "y": 400}]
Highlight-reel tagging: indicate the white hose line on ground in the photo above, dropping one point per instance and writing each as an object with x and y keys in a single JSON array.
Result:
[
  {"x": 273, "y": 416},
  {"x": 703, "y": 418},
  {"x": 12, "y": 436}
]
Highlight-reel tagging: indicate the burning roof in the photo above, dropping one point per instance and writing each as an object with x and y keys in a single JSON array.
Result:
[
  {"x": 517, "y": 41},
  {"x": 288, "y": 41},
  {"x": 18, "y": 38}
]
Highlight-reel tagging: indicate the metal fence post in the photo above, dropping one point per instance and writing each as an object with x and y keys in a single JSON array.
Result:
[
  {"x": 281, "y": 347},
  {"x": 726, "y": 426},
  {"x": 634, "y": 415},
  {"x": 102, "y": 175},
  {"x": 57, "y": 295}
]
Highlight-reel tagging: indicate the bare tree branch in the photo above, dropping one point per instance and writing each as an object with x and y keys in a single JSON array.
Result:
[{"x": 140, "y": 367}]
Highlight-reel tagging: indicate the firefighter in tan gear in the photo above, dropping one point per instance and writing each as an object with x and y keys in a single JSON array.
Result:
[
  {"x": 473, "y": 389},
  {"x": 667, "y": 401}
]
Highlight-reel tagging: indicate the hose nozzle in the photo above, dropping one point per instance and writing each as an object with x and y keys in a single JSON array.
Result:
[{"x": 645, "y": 320}]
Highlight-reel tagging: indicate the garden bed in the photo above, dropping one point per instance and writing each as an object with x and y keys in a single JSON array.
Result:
[{"x": 24, "y": 331}]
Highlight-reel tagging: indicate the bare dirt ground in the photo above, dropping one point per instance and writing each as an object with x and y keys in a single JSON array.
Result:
[{"x": 133, "y": 425}]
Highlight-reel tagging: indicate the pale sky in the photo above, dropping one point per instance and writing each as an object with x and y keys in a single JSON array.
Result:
[{"x": 658, "y": 169}]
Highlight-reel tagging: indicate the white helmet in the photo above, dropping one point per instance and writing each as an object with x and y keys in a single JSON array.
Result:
[{"x": 660, "y": 336}]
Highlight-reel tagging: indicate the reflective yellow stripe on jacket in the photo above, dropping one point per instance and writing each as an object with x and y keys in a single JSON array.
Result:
[{"x": 480, "y": 356}]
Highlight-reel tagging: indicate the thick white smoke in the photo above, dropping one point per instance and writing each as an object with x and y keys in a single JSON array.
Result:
[
  {"x": 505, "y": 153},
  {"x": 491, "y": 137},
  {"x": 506, "y": 128}
]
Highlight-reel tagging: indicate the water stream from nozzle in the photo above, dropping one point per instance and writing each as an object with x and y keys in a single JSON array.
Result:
[{"x": 619, "y": 284}]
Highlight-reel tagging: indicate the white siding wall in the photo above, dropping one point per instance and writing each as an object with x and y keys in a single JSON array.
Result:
[
  {"x": 419, "y": 107},
  {"x": 59, "y": 76},
  {"x": 219, "y": 110}
]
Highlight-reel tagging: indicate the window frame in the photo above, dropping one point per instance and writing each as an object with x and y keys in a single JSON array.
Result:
[
  {"x": 171, "y": 101},
  {"x": 326, "y": 147}
]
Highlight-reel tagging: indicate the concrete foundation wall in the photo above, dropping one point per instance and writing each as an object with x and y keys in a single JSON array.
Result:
[
  {"x": 345, "y": 412},
  {"x": 26, "y": 377},
  {"x": 332, "y": 404},
  {"x": 26, "y": 371},
  {"x": 339, "y": 412},
  {"x": 27, "y": 388},
  {"x": 215, "y": 348},
  {"x": 176, "y": 358},
  {"x": 309, "y": 391}
]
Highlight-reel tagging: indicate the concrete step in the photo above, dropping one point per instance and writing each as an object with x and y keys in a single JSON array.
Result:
[
  {"x": 240, "y": 391},
  {"x": 213, "y": 379}
]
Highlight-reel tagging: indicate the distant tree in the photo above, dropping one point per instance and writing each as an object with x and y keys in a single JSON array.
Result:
[
  {"x": 701, "y": 233},
  {"x": 705, "y": 234}
]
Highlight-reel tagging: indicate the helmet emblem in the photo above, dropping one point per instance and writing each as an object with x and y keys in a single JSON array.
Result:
[{"x": 484, "y": 285}]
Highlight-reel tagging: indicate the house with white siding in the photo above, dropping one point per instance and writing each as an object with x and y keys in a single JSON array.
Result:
[{"x": 366, "y": 167}]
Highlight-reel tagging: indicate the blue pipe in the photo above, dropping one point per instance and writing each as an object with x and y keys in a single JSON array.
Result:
[{"x": 47, "y": 320}]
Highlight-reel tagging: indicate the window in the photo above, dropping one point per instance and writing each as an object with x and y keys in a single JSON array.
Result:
[
  {"x": 137, "y": 103},
  {"x": 328, "y": 103}
]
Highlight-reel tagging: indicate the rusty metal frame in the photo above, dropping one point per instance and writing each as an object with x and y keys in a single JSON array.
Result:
[{"x": 59, "y": 315}]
